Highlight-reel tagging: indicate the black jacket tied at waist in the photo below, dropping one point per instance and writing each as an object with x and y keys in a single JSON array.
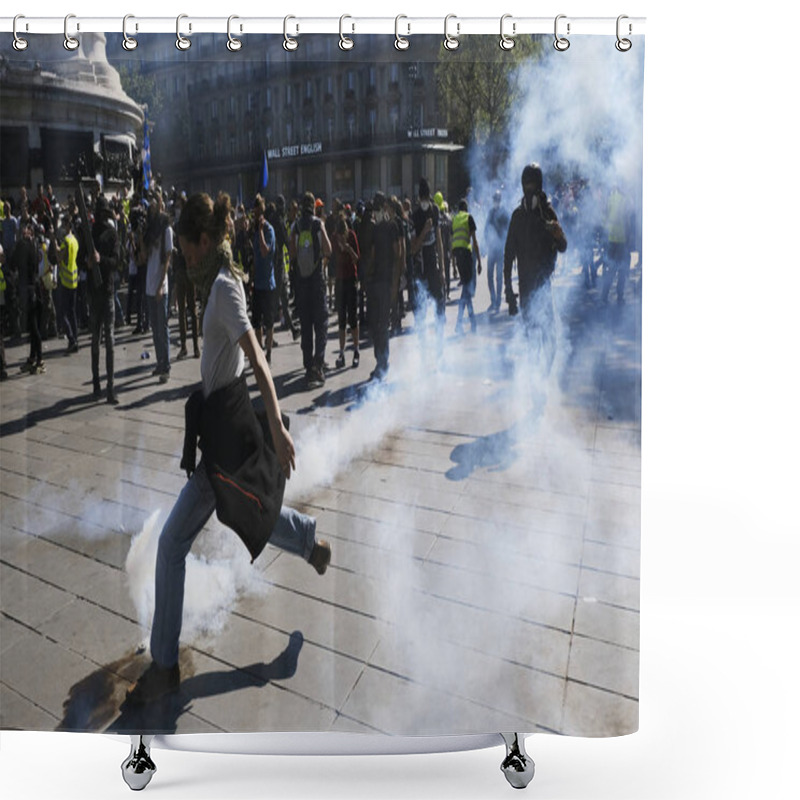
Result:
[{"x": 240, "y": 460}]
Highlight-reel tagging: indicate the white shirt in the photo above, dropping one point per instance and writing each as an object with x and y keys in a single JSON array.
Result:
[{"x": 225, "y": 321}]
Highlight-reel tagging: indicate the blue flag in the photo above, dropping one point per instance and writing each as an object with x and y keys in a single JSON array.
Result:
[
  {"x": 264, "y": 173},
  {"x": 146, "y": 154}
]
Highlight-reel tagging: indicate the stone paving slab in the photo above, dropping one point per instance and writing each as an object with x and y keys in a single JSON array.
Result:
[{"x": 461, "y": 553}]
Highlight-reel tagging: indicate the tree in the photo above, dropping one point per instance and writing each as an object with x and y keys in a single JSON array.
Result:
[
  {"x": 141, "y": 87},
  {"x": 478, "y": 86}
]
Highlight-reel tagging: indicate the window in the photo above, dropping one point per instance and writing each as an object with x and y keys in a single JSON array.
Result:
[
  {"x": 309, "y": 130},
  {"x": 394, "y": 117},
  {"x": 309, "y": 92},
  {"x": 289, "y": 132},
  {"x": 351, "y": 81},
  {"x": 395, "y": 72},
  {"x": 351, "y": 126},
  {"x": 373, "y": 121},
  {"x": 329, "y": 85},
  {"x": 372, "y": 76},
  {"x": 331, "y": 129},
  {"x": 232, "y": 106},
  {"x": 268, "y": 98},
  {"x": 288, "y": 94}
]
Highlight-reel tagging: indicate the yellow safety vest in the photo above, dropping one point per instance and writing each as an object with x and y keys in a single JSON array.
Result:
[
  {"x": 2, "y": 281},
  {"x": 461, "y": 237},
  {"x": 68, "y": 268}
]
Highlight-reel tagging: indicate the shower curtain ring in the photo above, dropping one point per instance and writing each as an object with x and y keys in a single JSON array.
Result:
[
  {"x": 70, "y": 42},
  {"x": 288, "y": 42},
  {"x": 19, "y": 43},
  {"x": 233, "y": 44},
  {"x": 345, "y": 42},
  {"x": 400, "y": 42},
  {"x": 623, "y": 45},
  {"x": 128, "y": 42},
  {"x": 561, "y": 43},
  {"x": 181, "y": 42},
  {"x": 451, "y": 42},
  {"x": 506, "y": 41}
]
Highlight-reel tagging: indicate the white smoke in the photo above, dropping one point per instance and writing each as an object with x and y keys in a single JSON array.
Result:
[{"x": 217, "y": 575}]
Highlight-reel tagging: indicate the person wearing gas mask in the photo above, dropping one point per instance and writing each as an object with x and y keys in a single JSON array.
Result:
[{"x": 534, "y": 240}]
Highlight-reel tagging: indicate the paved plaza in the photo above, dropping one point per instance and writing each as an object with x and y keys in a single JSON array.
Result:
[{"x": 484, "y": 525}]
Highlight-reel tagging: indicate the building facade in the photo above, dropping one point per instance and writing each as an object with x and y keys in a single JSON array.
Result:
[{"x": 338, "y": 124}]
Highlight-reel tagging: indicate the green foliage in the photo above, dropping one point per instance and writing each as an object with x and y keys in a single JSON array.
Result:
[
  {"x": 141, "y": 88},
  {"x": 478, "y": 87}
]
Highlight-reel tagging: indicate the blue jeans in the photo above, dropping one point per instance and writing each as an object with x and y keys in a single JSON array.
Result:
[
  {"x": 293, "y": 532},
  {"x": 494, "y": 271},
  {"x": 157, "y": 311}
]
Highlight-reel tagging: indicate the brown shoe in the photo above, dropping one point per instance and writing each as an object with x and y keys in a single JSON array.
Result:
[{"x": 320, "y": 556}]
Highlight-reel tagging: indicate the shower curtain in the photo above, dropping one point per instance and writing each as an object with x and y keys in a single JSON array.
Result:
[{"x": 471, "y": 453}]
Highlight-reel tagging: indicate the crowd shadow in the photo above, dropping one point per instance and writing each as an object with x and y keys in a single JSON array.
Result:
[{"x": 94, "y": 702}]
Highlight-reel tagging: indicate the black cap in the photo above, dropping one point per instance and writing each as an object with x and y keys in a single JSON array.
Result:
[
  {"x": 424, "y": 188},
  {"x": 102, "y": 207},
  {"x": 532, "y": 175}
]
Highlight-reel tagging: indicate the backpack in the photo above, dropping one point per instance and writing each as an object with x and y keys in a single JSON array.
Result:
[{"x": 307, "y": 248}]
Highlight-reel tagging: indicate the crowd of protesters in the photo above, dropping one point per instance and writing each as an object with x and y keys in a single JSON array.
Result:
[{"x": 371, "y": 263}]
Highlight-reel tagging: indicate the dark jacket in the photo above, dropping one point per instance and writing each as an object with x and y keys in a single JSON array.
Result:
[
  {"x": 534, "y": 239},
  {"x": 240, "y": 460},
  {"x": 104, "y": 234}
]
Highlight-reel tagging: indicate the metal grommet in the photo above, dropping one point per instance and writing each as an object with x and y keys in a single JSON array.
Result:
[
  {"x": 233, "y": 44},
  {"x": 623, "y": 45},
  {"x": 181, "y": 42},
  {"x": 451, "y": 42},
  {"x": 19, "y": 43},
  {"x": 70, "y": 42},
  {"x": 289, "y": 43},
  {"x": 506, "y": 41},
  {"x": 345, "y": 42},
  {"x": 128, "y": 42},
  {"x": 561, "y": 43},
  {"x": 400, "y": 42}
]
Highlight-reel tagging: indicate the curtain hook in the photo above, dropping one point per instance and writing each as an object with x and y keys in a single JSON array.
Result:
[
  {"x": 233, "y": 43},
  {"x": 128, "y": 42},
  {"x": 288, "y": 42},
  {"x": 561, "y": 43},
  {"x": 70, "y": 42},
  {"x": 400, "y": 42},
  {"x": 451, "y": 42},
  {"x": 182, "y": 43},
  {"x": 19, "y": 43},
  {"x": 506, "y": 41},
  {"x": 623, "y": 45},
  {"x": 345, "y": 42}
]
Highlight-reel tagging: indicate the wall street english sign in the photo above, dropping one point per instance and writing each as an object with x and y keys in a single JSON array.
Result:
[{"x": 294, "y": 150}]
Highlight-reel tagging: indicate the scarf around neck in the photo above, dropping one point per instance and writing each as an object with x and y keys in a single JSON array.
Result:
[{"x": 203, "y": 274}]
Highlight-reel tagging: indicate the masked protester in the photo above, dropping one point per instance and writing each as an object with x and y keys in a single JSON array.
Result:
[
  {"x": 534, "y": 240},
  {"x": 245, "y": 459}
]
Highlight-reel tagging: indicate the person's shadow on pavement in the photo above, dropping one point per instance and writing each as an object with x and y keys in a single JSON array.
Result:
[{"x": 163, "y": 715}]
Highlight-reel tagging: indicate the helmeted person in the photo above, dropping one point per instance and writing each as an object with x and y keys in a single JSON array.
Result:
[
  {"x": 534, "y": 240},
  {"x": 101, "y": 311}
]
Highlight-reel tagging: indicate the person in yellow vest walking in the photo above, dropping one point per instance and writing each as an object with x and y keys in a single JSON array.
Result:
[
  {"x": 463, "y": 241},
  {"x": 68, "y": 287},
  {"x": 618, "y": 253}
]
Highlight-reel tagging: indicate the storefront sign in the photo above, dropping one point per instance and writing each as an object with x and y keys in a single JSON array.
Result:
[
  {"x": 294, "y": 150},
  {"x": 427, "y": 133}
]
